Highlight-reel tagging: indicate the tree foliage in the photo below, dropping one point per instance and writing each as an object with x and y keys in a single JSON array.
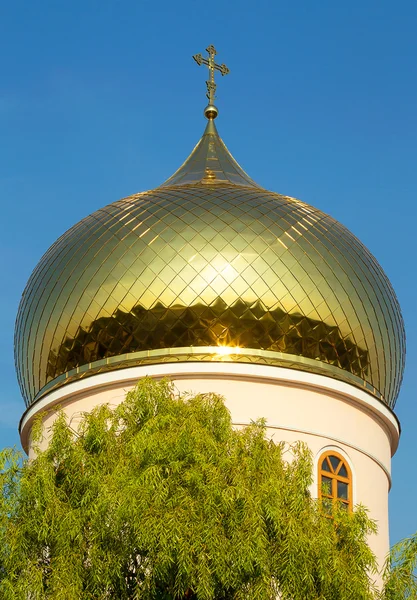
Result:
[
  {"x": 400, "y": 571},
  {"x": 162, "y": 499}
]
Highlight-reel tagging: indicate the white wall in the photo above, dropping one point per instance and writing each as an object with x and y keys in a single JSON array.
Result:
[{"x": 324, "y": 413}]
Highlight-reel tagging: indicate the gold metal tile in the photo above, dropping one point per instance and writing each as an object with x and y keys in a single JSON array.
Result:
[{"x": 171, "y": 274}]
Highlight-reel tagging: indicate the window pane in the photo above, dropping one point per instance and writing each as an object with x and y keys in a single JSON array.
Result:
[
  {"x": 344, "y": 506},
  {"x": 325, "y": 465},
  {"x": 326, "y": 486},
  {"x": 334, "y": 462},
  {"x": 343, "y": 471},
  {"x": 342, "y": 490}
]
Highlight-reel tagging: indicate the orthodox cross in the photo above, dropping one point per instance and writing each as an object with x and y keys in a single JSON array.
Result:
[{"x": 212, "y": 66}]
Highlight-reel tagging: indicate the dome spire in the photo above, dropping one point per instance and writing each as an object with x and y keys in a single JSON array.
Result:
[
  {"x": 210, "y": 162},
  {"x": 211, "y": 111}
]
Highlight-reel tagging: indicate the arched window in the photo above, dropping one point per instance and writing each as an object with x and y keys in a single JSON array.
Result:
[{"x": 335, "y": 480}]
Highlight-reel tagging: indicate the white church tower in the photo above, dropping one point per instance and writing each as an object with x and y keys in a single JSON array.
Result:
[{"x": 224, "y": 286}]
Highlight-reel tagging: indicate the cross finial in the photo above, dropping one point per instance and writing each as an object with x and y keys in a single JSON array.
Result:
[{"x": 211, "y": 111}]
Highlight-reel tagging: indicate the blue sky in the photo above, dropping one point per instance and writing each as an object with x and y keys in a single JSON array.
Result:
[{"x": 101, "y": 99}]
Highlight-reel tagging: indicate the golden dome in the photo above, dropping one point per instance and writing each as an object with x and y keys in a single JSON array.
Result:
[{"x": 209, "y": 267}]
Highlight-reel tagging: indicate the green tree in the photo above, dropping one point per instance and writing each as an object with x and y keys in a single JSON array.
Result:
[
  {"x": 400, "y": 571},
  {"x": 162, "y": 499}
]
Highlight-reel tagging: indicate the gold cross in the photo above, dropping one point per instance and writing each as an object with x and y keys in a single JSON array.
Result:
[{"x": 212, "y": 66}]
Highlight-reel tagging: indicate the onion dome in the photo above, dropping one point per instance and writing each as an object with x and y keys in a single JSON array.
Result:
[{"x": 209, "y": 266}]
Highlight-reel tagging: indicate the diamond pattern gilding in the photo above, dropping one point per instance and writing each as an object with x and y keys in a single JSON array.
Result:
[{"x": 174, "y": 273}]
